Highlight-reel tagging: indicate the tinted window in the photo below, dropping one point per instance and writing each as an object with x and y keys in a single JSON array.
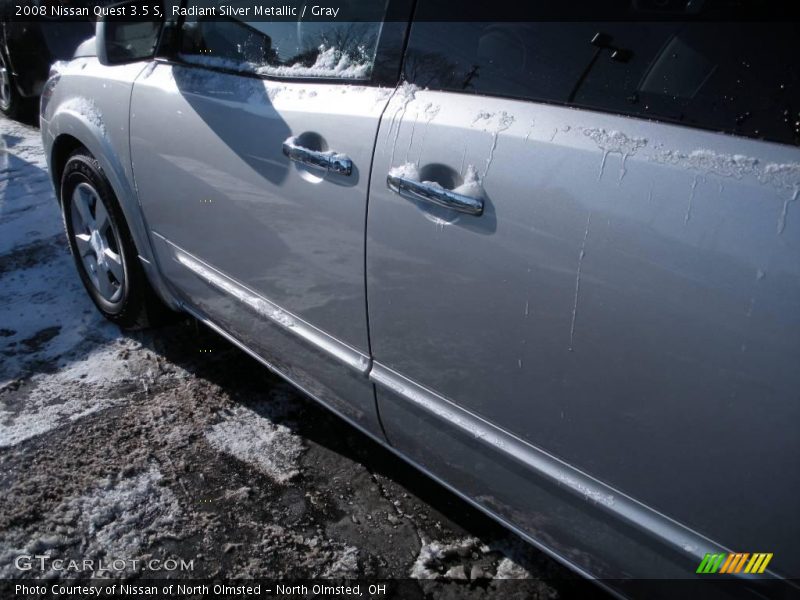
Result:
[
  {"x": 735, "y": 77},
  {"x": 131, "y": 40},
  {"x": 302, "y": 48}
]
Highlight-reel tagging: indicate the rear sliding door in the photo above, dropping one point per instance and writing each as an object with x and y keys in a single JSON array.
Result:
[{"x": 606, "y": 356}]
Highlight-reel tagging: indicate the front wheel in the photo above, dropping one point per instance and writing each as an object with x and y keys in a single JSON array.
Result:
[{"x": 103, "y": 248}]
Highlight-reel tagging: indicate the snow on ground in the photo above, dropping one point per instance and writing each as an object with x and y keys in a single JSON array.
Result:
[
  {"x": 250, "y": 437},
  {"x": 469, "y": 559},
  {"x": 465, "y": 558},
  {"x": 111, "y": 522},
  {"x": 47, "y": 321}
]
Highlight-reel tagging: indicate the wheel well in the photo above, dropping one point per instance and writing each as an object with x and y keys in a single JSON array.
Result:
[{"x": 63, "y": 147}]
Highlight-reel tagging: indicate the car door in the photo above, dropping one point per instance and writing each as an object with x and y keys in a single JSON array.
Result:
[
  {"x": 588, "y": 322},
  {"x": 251, "y": 149}
]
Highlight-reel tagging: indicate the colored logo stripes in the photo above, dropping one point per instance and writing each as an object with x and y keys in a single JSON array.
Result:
[{"x": 735, "y": 562}]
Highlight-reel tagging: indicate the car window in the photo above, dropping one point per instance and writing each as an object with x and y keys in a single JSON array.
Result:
[
  {"x": 735, "y": 77},
  {"x": 285, "y": 48}
]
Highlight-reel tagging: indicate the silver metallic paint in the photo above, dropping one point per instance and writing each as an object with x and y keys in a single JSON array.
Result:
[{"x": 572, "y": 361}]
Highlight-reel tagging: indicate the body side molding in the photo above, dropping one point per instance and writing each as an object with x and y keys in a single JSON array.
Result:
[
  {"x": 342, "y": 352},
  {"x": 624, "y": 508}
]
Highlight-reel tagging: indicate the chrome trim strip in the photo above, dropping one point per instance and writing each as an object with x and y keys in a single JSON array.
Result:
[
  {"x": 551, "y": 468},
  {"x": 351, "y": 357}
]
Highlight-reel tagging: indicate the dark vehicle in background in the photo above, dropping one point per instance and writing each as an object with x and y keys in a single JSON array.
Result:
[{"x": 27, "y": 49}]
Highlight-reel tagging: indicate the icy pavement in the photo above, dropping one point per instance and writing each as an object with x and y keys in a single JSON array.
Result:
[{"x": 138, "y": 446}]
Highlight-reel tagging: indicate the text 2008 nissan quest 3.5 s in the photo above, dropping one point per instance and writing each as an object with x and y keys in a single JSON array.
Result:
[{"x": 555, "y": 265}]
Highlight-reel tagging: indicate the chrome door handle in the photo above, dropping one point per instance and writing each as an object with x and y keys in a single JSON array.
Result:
[
  {"x": 332, "y": 161},
  {"x": 435, "y": 194}
]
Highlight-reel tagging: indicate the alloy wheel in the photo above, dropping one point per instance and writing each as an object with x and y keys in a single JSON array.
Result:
[{"x": 98, "y": 243}]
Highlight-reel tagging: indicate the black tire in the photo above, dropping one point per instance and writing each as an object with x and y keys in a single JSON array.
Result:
[
  {"x": 12, "y": 104},
  {"x": 133, "y": 303}
]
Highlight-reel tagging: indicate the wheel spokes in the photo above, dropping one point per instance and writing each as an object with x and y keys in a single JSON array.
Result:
[
  {"x": 105, "y": 285},
  {"x": 83, "y": 245},
  {"x": 81, "y": 200},
  {"x": 91, "y": 269},
  {"x": 114, "y": 263},
  {"x": 100, "y": 216},
  {"x": 97, "y": 242}
]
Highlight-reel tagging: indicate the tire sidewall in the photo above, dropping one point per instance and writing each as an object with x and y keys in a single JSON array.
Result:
[
  {"x": 81, "y": 168},
  {"x": 14, "y": 98}
]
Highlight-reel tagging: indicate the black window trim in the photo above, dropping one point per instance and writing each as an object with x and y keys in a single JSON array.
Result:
[{"x": 593, "y": 108}]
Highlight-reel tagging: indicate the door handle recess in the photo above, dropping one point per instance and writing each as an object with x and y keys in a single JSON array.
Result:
[
  {"x": 435, "y": 194},
  {"x": 329, "y": 160}
]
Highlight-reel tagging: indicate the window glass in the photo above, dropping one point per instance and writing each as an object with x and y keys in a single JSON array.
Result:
[
  {"x": 735, "y": 77},
  {"x": 281, "y": 48},
  {"x": 135, "y": 39}
]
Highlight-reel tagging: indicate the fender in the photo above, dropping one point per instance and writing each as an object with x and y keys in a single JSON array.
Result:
[{"x": 83, "y": 121}]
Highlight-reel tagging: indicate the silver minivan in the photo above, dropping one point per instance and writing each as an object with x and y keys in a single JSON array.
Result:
[{"x": 555, "y": 265}]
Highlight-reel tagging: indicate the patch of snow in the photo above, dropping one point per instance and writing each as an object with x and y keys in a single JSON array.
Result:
[
  {"x": 407, "y": 91},
  {"x": 469, "y": 558},
  {"x": 309, "y": 557},
  {"x": 786, "y": 178},
  {"x": 433, "y": 555},
  {"x": 404, "y": 95},
  {"x": 88, "y": 109},
  {"x": 508, "y": 569},
  {"x": 430, "y": 110},
  {"x": 493, "y": 123},
  {"x": 783, "y": 176},
  {"x": 113, "y": 521},
  {"x": 614, "y": 141},
  {"x": 80, "y": 388},
  {"x": 48, "y": 297},
  {"x": 59, "y": 66},
  {"x": 406, "y": 171},
  {"x": 330, "y": 62},
  {"x": 252, "y": 437},
  {"x": 708, "y": 161},
  {"x": 343, "y": 564},
  {"x": 472, "y": 184},
  {"x": 294, "y": 141}
]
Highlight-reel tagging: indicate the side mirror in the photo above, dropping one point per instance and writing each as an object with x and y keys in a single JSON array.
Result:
[{"x": 128, "y": 32}]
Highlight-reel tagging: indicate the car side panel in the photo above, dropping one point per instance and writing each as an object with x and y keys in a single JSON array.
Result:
[
  {"x": 627, "y": 306},
  {"x": 268, "y": 250}
]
